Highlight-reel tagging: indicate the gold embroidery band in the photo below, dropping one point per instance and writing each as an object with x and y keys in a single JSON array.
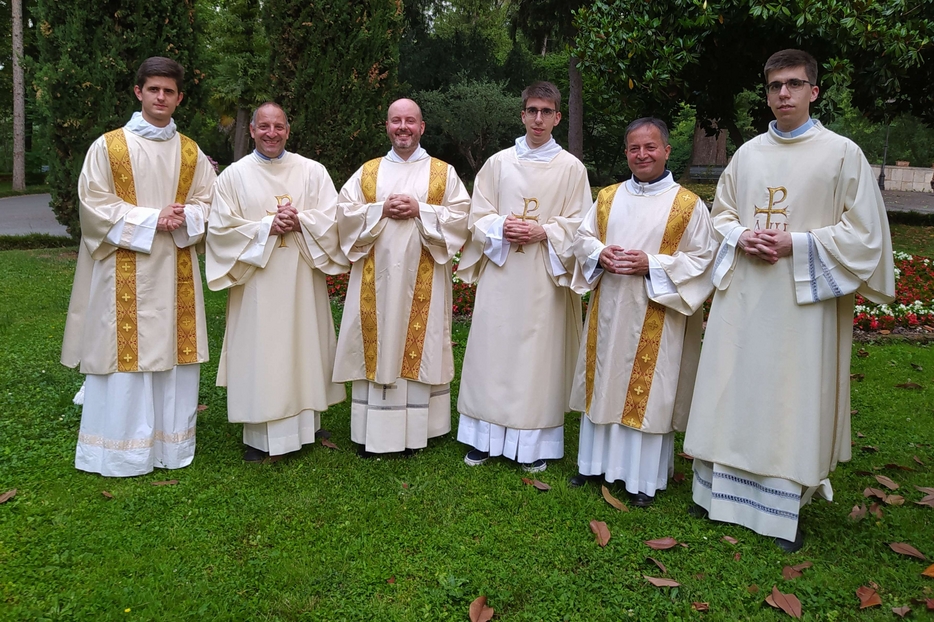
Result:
[
  {"x": 421, "y": 297},
  {"x": 604, "y": 203},
  {"x": 650, "y": 341},
  {"x": 186, "y": 345},
  {"x": 368, "y": 325},
  {"x": 124, "y": 260}
]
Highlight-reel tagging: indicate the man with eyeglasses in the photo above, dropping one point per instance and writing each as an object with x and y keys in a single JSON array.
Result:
[
  {"x": 803, "y": 228},
  {"x": 527, "y": 206}
]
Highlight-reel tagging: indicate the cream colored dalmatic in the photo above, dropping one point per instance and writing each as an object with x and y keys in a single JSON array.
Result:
[
  {"x": 770, "y": 415},
  {"x": 136, "y": 323},
  {"x": 278, "y": 353},
  {"x": 526, "y": 323},
  {"x": 395, "y": 335}
]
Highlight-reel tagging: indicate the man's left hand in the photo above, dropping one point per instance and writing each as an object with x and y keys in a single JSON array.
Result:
[
  {"x": 775, "y": 243},
  {"x": 403, "y": 207},
  {"x": 634, "y": 262},
  {"x": 518, "y": 231}
]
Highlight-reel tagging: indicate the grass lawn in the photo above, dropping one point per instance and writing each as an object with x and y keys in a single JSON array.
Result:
[
  {"x": 325, "y": 535},
  {"x": 6, "y": 189}
]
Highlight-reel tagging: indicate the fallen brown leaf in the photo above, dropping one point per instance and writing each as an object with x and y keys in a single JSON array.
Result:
[
  {"x": 876, "y": 510},
  {"x": 753, "y": 589},
  {"x": 885, "y": 331},
  {"x": 788, "y": 603},
  {"x": 600, "y": 530},
  {"x": 730, "y": 539},
  {"x": 916, "y": 367},
  {"x": 678, "y": 478},
  {"x": 892, "y": 465},
  {"x": 661, "y": 582},
  {"x": 860, "y": 435},
  {"x": 885, "y": 481},
  {"x": 527, "y": 481},
  {"x": 328, "y": 443},
  {"x": 479, "y": 612},
  {"x": 918, "y": 460},
  {"x": 925, "y": 489},
  {"x": 868, "y": 597},
  {"x": 874, "y": 492},
  {"x": 541, "y": 485},
  {"x": 700, "y": 606},
  {"x": 869, "y": 448},
  {"x": 929, "y": 603},
  {"x": 928, "y": 501},
  {"x": 802, "y": 566},
  {"x": 660, "y": 565},
  {"x": 661, "y": 544},
  {"x": 405, "y": 485},
  {"x": 901, "y": 612},
  {"x": 913, "y": 386},
  {"x": 107, "y": 495},
  {"x": 168, "y": 482},
  {"x": 7, "y": 495},
  {"x": 854, "y": 411},
  {"x": 858, "y": 513},
  {"x": 686, "y": 456},
  {"x": 861, "y": 353},
  {"x": 894, "y": 500},
  {"x": 857, "y": 377},
  {"x": 906, "y": 549},
  {"x": 609, "y": 498},
  {"x": 391, "y": 580},
  {"x": 789, "y": 573},
  {"x": 202, "y": 407},
  {"x": 929, "y": 571},
  {"x": 737, "y": 556}
]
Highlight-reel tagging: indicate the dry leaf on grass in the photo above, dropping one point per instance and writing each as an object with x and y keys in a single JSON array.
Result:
[
  {"x": 661, "y": 544},
  {"x": 874, "y": 492},
  {"x": 700, "y": 606},
  {"x": 876, "y": 510},
  {"x": 391, "y": 580},
  {"x": 885, "y": 481},
  {"x": 479, "y": 612},
  {"x": 861, "y": 353},
  {"x": 616, "y": 503},
  {"x": 788, "y": 603},
  {"x": 730, "y": 539},
  {"x": 901, "y": 612},
  {"x": 753, "y": 589},
  {"x": 661, "y": 582},
  {"x": 906, "y": 549},
  {"x": 868, "y": 597},
  {"x": 660, "y": 565},
  {"x": 736, "y": 556},
  {"x": 678, "y": 478},
  {"x": 802, "y": 566},
  {"x": 599, "y": 528},
  {"x": 686, "y": 456},
  {"x": 925, "y": 489},
  {"x": 892, "y": 465},
  {"x": 858, "y": 513},
  {"x": 328, "y": 443},
  {"x": 541, "y": 485},
  {"x": 916, "y": 367},
  {"x": 929, "y": 571},
  {"x": 918, "y": 460},
  {"x": 7, "y": 495},
  {"x": 860, "y": 435},
  {"x": 913, "y": 386},
  {"x": 857, "y": 377},
  {"x": 870, "y": 448},
  {"x": 929, "y": 603},
  {"x": 202, "y": 407},
  {"x": 894, "y": 500},
  {"x": 789, "y": 573},
  {"x": 107, "y": 495},
  {"x": 928, "y": 501},
  {"x": 168, "y": 482}
]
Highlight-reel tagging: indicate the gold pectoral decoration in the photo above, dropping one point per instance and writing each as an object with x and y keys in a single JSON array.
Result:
[
  {"x": 650, "y": 340},
  {"x": 526, "y": 216},
  {"x": 770, "y": 210},
  {"x": 604, "y": 203},
  {"x": 186, "y": 319}
]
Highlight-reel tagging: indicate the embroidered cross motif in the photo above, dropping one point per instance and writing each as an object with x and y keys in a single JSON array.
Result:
[
  {"x": 639, "y": 390},
  {"x": 768, "y": 211},
  {"x": 646, "y": 358},
  {"x": 126, "y": 327},
  {"x": 525, "y": 215},
  {"x": 127, "y": 358},
  {"x": 126, "y": 267},
  {"x": 187, "y": 350},
  {"x": 126, "y": 297}
]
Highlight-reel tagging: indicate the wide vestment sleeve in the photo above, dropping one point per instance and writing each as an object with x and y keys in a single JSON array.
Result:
[
  {"x": 319, "y": 242},
  {"x": 483, "y": 213},
  {"x": 230, "y": 233},
  {"x": 562, "y": 227}
]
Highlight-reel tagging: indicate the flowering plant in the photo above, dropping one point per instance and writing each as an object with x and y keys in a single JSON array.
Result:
[{"x": 914, "y": 298}]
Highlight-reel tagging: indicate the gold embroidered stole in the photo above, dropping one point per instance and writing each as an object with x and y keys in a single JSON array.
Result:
[
  {"x": 125, "y": 262},
  {"x": 421, "y": 299}
]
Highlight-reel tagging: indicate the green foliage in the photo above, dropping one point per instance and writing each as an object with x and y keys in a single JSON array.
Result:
[
  {"x": 477, "y": 117},
  {"x": 333, "y": 67},
  {"x": 84, "y": 76}
]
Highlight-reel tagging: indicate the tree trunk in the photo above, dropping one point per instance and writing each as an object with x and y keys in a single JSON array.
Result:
[
  {"x": 708, "y": 150},
  {"x": 19, "y": 101},
  {"x": 575, "y": 111},
  {"x": 242, "y": 133}
]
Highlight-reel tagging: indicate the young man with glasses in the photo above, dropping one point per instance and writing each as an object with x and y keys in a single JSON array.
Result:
[
  {"x": 527, "y": 205},
  {"x": 803, "y": 228}
]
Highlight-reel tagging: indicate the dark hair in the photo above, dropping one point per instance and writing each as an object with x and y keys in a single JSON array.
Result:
[
  {"x": 786, "y": 59},
  {"x": 654, "y": 122},
  {"x": 160, "y": 66},
  {"x": 265, "y": 104},
  {"x": 542, "y": 90}
]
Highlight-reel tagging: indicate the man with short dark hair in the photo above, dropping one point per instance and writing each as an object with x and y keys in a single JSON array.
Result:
[
  {"x": 272, "y": 238},
  {"x": 525, "y": 331},
  {"x": 803, "y": 228},
  {"x": 136, "y": 320},
  {"x": 644, "y": 249}
]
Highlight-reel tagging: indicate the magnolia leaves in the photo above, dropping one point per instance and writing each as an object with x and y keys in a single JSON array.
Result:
[
  {"x": 788, "y": 603},
  {"x": 479, "y": 611},
  {"x": 616, "y": 503},
  {"x": 7, "y": 496},
  {"x": 600, "y": 530}
]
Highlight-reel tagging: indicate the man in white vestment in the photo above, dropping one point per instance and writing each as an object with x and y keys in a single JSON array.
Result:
[
  {"x": 401, "y": 219},
  {"x": 645, "y": 250},
  {"x": 803, "y": 228},
  {"x": 272, "y": 238},
  {"x": 136, "y": 319},
  {"x": 525, "y": 332}
]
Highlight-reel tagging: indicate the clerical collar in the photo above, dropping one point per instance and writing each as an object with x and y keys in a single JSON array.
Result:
[
  {"x": 545, "y": 153},
  {"x": 798, "y": 131},
  {"x": 418, "y": 154},
  {"x": 144, "y": 129},
  {"x": 656, "y": 186},
  {"x": 266, "y": 158}
]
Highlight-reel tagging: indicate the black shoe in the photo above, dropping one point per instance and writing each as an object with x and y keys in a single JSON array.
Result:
[
  {"x": 253, "y": 454},
  {"x": 322, "y": 433},
  {"x": 363, "y": 453},
  {"x": 475, "y": 457},
  {"x": 408, "y": 451},
  {"x": 641, "y": 500},
  {"x": 697, "y": 511},
  {"x": 791, "y": 546},
  {"x": 580, "y": 480}
]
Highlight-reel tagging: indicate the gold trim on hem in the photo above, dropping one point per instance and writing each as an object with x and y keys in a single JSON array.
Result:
[{"x": 186, "y": 337}]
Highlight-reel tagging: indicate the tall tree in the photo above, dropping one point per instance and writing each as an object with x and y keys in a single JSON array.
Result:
[
  {"x": 333, "y": 67},
  {"x": 88, "y": 55},
  {"x": 19, "y": 101}
]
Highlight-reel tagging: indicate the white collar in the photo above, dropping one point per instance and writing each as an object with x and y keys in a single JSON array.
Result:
[
  {"x": 418, "y": 154},
  {"x": 637, "y": 187},
  {"x": 545, "y": 153},
  {"x": 266, "y": 159},
  {"x": 798, "y": 131},
  {"x": 143, "y": 128}
]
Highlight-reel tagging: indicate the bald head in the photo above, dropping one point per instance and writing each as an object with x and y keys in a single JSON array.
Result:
[
  {"x": 405, "y": 127},
  {"x": 265, "y": 105}
]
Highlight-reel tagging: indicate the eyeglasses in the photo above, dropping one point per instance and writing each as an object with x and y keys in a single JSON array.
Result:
[
  {"x": 547, "y": 113},
  {"x": 794, "y": 85}
]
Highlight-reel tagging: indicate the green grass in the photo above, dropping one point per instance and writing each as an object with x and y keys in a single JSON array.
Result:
[
  {"x": 6, "y": 189},
  {"x": 325, "y": 535}
]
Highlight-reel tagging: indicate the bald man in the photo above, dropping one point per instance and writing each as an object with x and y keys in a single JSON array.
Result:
[{"x": 401, "y": 219}]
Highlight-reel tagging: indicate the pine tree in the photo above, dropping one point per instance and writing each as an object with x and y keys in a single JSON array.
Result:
[
  {"x": 88, "y": 55},
  {"x": 333, "y": 66}
]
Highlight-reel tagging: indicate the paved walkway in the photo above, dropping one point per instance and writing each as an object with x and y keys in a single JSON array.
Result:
[{"x": 32, "y": 214}]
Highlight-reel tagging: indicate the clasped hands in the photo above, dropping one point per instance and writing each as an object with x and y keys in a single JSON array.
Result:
[
  {"x": 285, "y": 220},
  {"x": 766, "y": 244},
  {"x": 400, "y": 207},
  {"x": 171, "y": 217},
  {"x": 617, "y": 260},
  {"x": 519, "y": 231}
]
